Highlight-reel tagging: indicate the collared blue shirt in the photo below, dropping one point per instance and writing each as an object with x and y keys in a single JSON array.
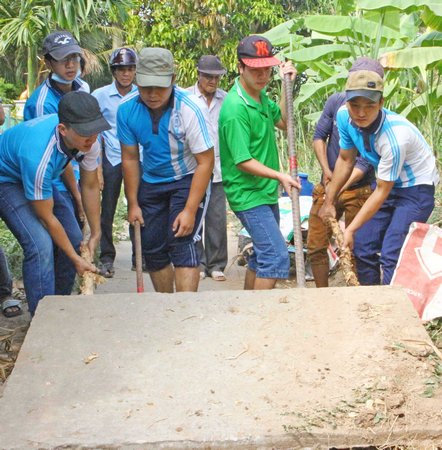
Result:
[
  {"x": 398, "y": 151},
  {"x": 109, "y": 99},
  {"x": 182, "y": 132},
  {"x": 31, "y": 154}
]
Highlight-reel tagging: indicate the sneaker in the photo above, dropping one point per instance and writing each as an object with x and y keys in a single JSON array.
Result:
[
  {"x": 202, "y": 275},
  {"x": 217, "y": 275}
]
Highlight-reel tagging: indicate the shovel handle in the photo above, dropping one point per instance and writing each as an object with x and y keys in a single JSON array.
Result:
[{"x": 138, "y": 257}]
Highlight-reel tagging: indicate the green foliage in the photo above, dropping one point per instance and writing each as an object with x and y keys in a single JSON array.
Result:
[
  {"x": 9, "y": 91},
  {"x": 12, "y": 250},
  {"x": 190, "y": 30},
  {"x": 25, "y": 23},
  {"x": 390, "y": 30}
]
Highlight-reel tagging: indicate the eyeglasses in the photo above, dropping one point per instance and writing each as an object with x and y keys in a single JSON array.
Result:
[
  {"x": 75, "y": 58},
  {"x": 210, "y": 77}
]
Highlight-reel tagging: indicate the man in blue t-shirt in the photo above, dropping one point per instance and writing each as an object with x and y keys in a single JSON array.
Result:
[
  {"x": 32, "y": 155},
  {"x": 62, "y": 56},
  {"x": 170, "y": 125},
  {"x": 352, "y": 196},
  {"x": 122, "y": 63},
  {"x": 406, "y": 175}
]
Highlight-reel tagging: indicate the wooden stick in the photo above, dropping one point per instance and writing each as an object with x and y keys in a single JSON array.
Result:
[
  {"x": 297, "y": 233},
  {"x": 345, "y": 256},
  {"x": 89, "y": 280},
  {"x": 138, "y": 257}
]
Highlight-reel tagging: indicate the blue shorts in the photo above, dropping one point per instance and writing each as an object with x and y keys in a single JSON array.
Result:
[
  {"x": 270, "y": 257},
  {"x": 160, "y": 204}
]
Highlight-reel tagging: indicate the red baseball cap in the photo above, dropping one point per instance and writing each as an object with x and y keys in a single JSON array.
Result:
[{"x": 257, "y": 51}]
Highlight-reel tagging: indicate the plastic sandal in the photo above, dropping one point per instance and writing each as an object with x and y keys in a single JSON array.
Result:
[{"x": 9, "y": 307}]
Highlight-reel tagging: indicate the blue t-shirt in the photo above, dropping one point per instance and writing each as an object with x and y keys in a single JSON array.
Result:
[
  {"x": 168, "y": 147},
  {"x": 398, "y": 151},
  {"x": 31, "y": 154},
  {"x": 44, "y": 100},
  {"x": 327, "y": 131}
]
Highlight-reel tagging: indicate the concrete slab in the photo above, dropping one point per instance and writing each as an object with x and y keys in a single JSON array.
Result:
[{"x": 271, "y": 369}]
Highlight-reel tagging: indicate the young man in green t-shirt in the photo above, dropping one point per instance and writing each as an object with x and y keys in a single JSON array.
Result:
[{"x": 249, "y": 159}]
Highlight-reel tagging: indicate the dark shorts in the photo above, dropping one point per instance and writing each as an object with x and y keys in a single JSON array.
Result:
[{"x": 160, "y": 204}]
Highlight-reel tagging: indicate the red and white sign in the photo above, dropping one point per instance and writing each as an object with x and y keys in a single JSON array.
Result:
[{"x": 419, "y": 269}]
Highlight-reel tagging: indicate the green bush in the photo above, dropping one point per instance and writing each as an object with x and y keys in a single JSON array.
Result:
[
  {"x": 12, "y": 250},
  {"x": 9, "y": 91}
]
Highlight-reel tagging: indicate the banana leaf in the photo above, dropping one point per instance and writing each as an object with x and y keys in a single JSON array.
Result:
[
  {"x": 333, "y": 84},
  {"x": 411, "y": 57},
  {"x": 431, "y": 9},
  {"x": 284, "y": 33},
  {"x": 336, "y": 51},
  {"x": 402, "y": 5},
  {"x": 431, "y": 39},
  {"x": 348, "y": 26}
]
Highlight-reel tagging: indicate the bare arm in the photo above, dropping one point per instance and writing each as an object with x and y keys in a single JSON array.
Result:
[
  {"x": 355, "y": 176},
  {"x": 90, "y": 190},
  {"x": 341, "y": 174},
  {"x": 70, "y": 182},
  {"x": 320, "y": 148},
  {"x": 131, "y": 173},
  {"x": 258, "y": 169},
  {"x": 185, "y": 221},
  {"x": 44, "y": 211}
]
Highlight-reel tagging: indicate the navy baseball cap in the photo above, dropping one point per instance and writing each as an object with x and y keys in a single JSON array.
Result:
[{"x": 60, "y": 44}]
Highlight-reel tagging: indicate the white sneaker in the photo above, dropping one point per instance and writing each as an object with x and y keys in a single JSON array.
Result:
[
  {"x": 217, "y": 275},
  {"x": 202, "y": 275}
]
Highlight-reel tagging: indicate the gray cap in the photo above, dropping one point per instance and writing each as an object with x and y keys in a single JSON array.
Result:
[
  {"x": 155, "y": 67},
  {"x": 211, "y": 65},
  {"x": 81, "y": 112},
  {"x": 60, "y": 44},
  {"x": 365, "y": 63}
]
